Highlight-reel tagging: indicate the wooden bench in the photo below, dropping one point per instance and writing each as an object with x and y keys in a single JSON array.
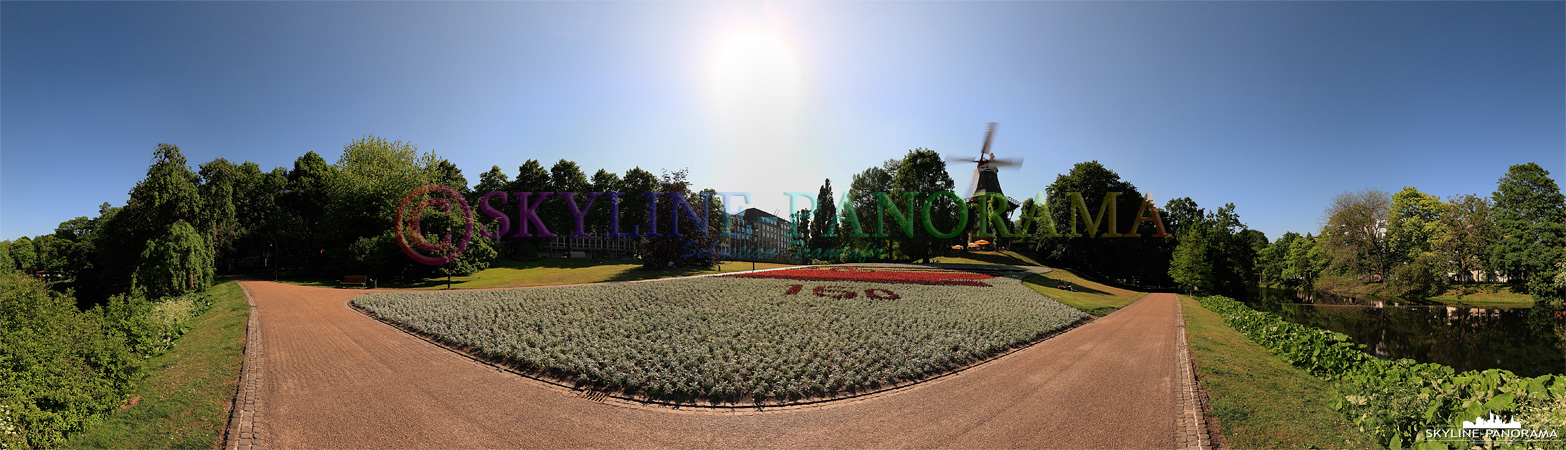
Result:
[{"x": 360, "y": 280}]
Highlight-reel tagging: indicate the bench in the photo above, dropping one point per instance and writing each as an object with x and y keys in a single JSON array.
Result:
[{"x": 354, "y": 279}]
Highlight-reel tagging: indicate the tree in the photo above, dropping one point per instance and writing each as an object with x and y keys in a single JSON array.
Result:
[
  {"x": 1467, "y": 231},
  {"x": 24, "y": 254},
  {"x": 923, "y": 173},
  {"x": 823, "y": 223},
  {"x": 861, "y": 194},
  {"x": 1273, "y": 260},
  {"x": 493, "y": 180},
  {"x": 633, "y": 210},
  {"x": 1089, "y": 250},
  {"x": 177, "y": 263},
  {"x": 6, "y": 263},
  {"x": 685, "y": 250},
  {"x": 1530, "y": 217},
  {"x": 1305, "y": 262},
  {"x": 1214, "y": 254},
  {"x": 565, "y": 176},
  {"x": 598, "y": 216},
  {"x": 1355, "y": 237},
  {"x": 1415, "y": 222}
]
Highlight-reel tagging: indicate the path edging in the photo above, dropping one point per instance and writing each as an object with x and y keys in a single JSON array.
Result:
[{"x": 245, "y": 428}]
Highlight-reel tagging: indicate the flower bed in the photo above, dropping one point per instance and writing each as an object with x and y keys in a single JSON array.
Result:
[{"x": 734, "y": 339}]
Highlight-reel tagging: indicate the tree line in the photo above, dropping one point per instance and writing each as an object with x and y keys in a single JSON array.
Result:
[
  {"x": 1413, "y": 244},
  {"x": 181, "y": 226}
]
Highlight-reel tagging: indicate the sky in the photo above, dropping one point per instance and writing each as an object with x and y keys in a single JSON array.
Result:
[{"x": 1273, "y": 106}]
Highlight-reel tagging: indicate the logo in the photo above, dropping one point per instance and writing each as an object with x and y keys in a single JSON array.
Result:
[
  {"x": 1493, "y": 428},
  {"x": 1492, "y": 423},
  {"x": 412, "y": 222}
]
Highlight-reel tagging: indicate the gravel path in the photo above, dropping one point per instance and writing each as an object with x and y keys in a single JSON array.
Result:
[{"x": 337, "y": 379}]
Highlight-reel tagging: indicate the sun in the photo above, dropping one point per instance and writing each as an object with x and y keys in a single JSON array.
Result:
[{"x": 756, "y": 79}]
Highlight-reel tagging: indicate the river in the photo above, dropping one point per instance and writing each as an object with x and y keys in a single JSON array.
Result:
[{"x": 1526, "y": 341}]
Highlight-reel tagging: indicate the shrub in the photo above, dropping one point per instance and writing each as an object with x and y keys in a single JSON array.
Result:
[{"x": 1395, "y": 400}]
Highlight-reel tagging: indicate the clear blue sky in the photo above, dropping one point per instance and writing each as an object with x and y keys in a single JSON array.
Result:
[{"x": 1274, "y": 106}]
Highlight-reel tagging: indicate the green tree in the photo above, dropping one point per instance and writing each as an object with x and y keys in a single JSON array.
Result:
[
  {"x": 1355, "y": 236},
  {"x": 1415, "y": 223},
  {"x": 1131, "y": 261},
  {"x": 598, "y": 217},
  {"x": 177, "y": 263},
  {"x": 823, "y": 225},
  {"x": 25, "y": 254},
  {"x": 923, "y": 173},
  {"x": 6, "y": 263},
  {"x": 303, "y": 233},
  {"x": 1305, "y": 262},
  {"x": 1468, "y": 229},
  {"x": 1215, "y": 254},
  {"x": 1530, "y": 217},
  {"x": 637, "y": 183},
  {"x": 1273, "y": 260},
  {"x": 493, "y": 180}
]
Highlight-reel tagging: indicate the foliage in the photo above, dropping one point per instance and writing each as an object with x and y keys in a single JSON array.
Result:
[
  {"x": 823, "y": 225},
  {"x": 1214, "y": 254},
  {"x": 24, "y": 254},
  {"x": 1415, "y": 224},
  {"x": 685, "y": 250},
  {"x": 1133, "y": 261},
  {"x": 1530, "y": 218},
  {"x": 1355, "y": 237},
  {"x": 1393, "y": 400},
  {"x": 59, "y": 368},
  {"x": 1466, "y": 235},
  {"x": 729, "y": 339},
  {"x": 923, "y": 173},
  {"x": 176, "y": 263}
]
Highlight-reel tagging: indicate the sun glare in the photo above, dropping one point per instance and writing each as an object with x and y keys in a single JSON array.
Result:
[{"x": 756, "y": 78}]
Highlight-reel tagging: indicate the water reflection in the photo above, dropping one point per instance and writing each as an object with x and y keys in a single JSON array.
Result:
[{"x": 1526, "y": 341}]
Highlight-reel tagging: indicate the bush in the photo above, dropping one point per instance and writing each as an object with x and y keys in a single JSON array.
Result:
[
  {"x": 62, "y": 368},
  {"x": 1396, "y": 400}
]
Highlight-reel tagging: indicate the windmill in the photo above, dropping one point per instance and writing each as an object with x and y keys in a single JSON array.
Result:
[{"x": 985, "y": 179}]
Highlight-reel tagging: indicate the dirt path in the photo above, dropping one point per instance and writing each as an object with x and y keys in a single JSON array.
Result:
[{"x": 336, "y": 379}]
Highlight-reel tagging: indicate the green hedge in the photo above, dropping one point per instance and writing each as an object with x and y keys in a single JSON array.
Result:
[{"x": 1398, "y": 400}]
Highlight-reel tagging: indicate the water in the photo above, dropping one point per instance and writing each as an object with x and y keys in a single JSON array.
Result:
[{"x": 1526, "y": 341}]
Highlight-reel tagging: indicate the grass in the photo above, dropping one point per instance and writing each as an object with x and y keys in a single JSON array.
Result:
[
  {"x": 977, "y": 257},
  {"x": 182, "y": 402},
  {"x": 1485, "y": 295},
  {"x": 1259, "y": 400},
  {"x": 1090, "y": 297},
  {"x": 505, "y": 273},
  {"x": 732, "y": 339}
]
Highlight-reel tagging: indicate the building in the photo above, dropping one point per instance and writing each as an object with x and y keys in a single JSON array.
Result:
[{"x": 756, "y": 235}]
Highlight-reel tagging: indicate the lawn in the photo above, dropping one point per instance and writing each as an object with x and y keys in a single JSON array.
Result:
[
  {"x": 977, "y": 257},
  {"x": 1259, "y": 400},
  {"x": 550, "y": 272},
  {"x": 1485, "y": 295},
  {"x": 825, "y": 332},
  {"x": 181, "y": 404},
  {"x": 1091, "y": 297}
]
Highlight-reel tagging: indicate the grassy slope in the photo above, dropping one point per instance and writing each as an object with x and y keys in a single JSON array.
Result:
[
  {"x": 1007, "y": 257},
  {"x": 1259, "y": 400},
  {"x": 550, "y": 272},
  {"x": 1093, "y": 298},
  {"x": 183, "y": 400},
  {"x": 1485, "y": 295}
]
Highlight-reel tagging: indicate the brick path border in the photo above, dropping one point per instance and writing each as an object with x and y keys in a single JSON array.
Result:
[
  {"x": 245, "y": 426},
  {"x": 1192, "y": 421}
]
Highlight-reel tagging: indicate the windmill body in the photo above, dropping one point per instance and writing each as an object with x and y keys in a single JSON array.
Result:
[{"x": 986, "y": 173}]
